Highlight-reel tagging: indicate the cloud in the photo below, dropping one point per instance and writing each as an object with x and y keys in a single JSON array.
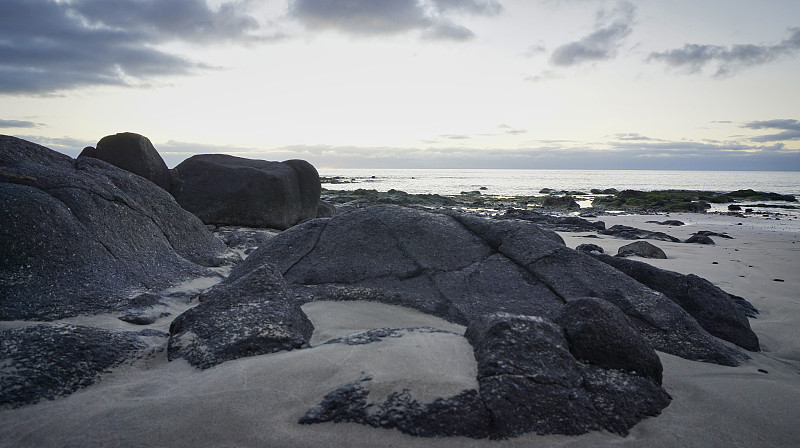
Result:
[
  {"x": 694, "y": 58},
  {"x": 17, "y": 124},
  {"x": 48, "y": 46},
  {"x": 611, "y": 28},
  {"x": 386, "y": 17},
  {"x": 790, "y": 128},
  {"x": 633, "y": 136}
]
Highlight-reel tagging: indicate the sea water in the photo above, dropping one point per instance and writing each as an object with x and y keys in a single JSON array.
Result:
[{"x": 505, "y": 182}]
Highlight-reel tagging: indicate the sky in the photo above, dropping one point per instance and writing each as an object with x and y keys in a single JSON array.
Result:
[{"x": 583, "y": 84}]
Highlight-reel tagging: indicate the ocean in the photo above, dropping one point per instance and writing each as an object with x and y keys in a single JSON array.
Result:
[
  {"x": 500, "y": 182},
  {"x": 529, "y": 182}
]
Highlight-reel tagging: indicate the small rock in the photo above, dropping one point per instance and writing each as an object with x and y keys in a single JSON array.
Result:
[
  {"x": 589, "y": 248},
  {"x": 642, "y": 249}
]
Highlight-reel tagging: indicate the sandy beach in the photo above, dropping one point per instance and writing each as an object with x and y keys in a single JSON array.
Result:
[{"x": 257, "y": 401}]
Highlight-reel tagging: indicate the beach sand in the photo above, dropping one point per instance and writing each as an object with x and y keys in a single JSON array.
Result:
[{"x": 257, "y": 401}]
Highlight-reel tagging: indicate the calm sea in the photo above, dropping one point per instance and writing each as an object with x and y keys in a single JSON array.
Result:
[{"x": 530, "y": 182}]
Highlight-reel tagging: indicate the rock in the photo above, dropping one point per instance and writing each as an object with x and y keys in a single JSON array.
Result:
[
  {"x": 699, "y": 239},
  {"x": 460, "y": 267},
  {"x": 48, "y": 361},
  {"x": 557, "y": 223},
  {"x": 641, "y": 249},
  {"x": 244, "y": 240},
  {"x": 718, "y": 312},
  {"x": 600, "y": 334},
  {"x": 529, "y": 381},
  {"x": 735, "y": 208},
  {"x": 669, "y": 222},
  {"x": 245, "y": 315},
  {"x": 710, "y": 233},
  {"x": 544, "y": 389},
  {"x": 632, "y": 233},
  {"x": 325, "y": 210},
  {"x": 567, "y": 202},
  {"x": 84, "y": 237},
  {"x": 133, "y": 153},
  {"x": 589, "y": 248},
  {"x": 226, "y": 190}
]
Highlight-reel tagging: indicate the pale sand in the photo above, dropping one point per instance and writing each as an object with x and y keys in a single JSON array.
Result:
[{"x": 257, "y": 401}]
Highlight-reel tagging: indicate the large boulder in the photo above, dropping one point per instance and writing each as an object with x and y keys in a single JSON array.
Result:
[
  {"x": 461, "y": 267},
  {"x": 245, "y": 315},
  {"x": 642, "y": 249},
  {"x": 84, "y": 237},
  {"x": 226, "y": 190},
  {"x": 721, "y": 314},
  {"x": 134, "y": 153}
]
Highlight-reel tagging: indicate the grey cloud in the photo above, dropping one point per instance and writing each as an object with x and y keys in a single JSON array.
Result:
[
  {"x": 383, "y": 17},
  {"x": 611, "y": 28},
  {"x": 47, "y": 46},
  {"x": 17, "y": 124},
  {"x": 633, "y": 136},
  {"x": 790, "y": 128},
  {"x": 728, "y": 60}
]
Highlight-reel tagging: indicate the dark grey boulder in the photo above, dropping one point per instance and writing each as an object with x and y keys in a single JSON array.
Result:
[
  {"x": 669, "y": 222},
  {"x": 700, "y": 239},
  {"x": 84, "y": 237},
  {"x": 226, "y": 190},
  {"x": 558, "y": 223},
  {"x": 632, "y": 233},
  {"x": 589, "y": 248},
  {"x": 325, "y": 210},
  {"x": 246, "y": 315},
  {"x": 721, "y": 314},
  {"x": 460, "y": 267},
  {"x": 641, "y": 249},
  {"x": 132, "y": 152},
  {"x": 530, "y": 382},
  {"x": 48, "y": 361},
  {"x": 600, "y": 334},
  {"x": 567, "y": 202}
]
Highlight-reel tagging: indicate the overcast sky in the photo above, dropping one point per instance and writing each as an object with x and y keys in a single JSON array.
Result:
[{"x": 662, "y": 84}]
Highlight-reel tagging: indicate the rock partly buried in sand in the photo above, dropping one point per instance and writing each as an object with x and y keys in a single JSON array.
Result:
[
  {"x": 632, "y": 233},
  {"x": 245, "y": 315},
  {"x": 529, "y": 381},
  {"x": 460, "y": 267},
  {"x": 543, "y": 388},
  {"x": 227, "y": 190},
  {"x": 82, "y": 236},
  {"x": 134, "y": 153},
  {"x": 641, "y": 249},
  {"x": 700, "y": 239},
  {"x": 721, "y": 314},
  {"x": 48, "y": 361},
  {"x": 589, "y": 248}
]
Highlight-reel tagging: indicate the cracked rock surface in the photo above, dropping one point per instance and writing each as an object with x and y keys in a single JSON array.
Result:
[
  {"x": 460, "y": 267},
  {"x": 82, "y": 236}
]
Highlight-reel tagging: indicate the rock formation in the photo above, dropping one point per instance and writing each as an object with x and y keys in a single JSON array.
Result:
[
  {"x": 133, "y": 153},
  {"x": 226, "y": 190}
]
